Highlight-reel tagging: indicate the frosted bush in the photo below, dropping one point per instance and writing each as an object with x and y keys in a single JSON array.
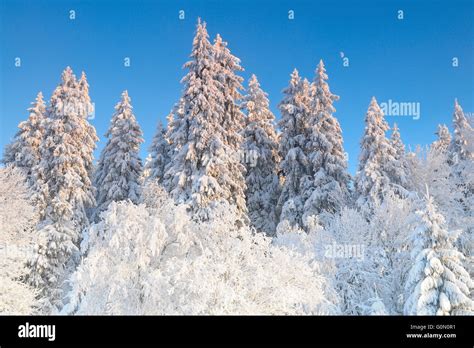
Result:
[
  {"x": 153, "y": 259},
  {"x": 17, "y": 219}
]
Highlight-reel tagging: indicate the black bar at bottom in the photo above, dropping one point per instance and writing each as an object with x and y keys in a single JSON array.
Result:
[{"x": 327, "y": 330}]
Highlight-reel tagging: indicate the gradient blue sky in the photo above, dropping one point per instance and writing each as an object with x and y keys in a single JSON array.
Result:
[{"x": 407, "y": 60}]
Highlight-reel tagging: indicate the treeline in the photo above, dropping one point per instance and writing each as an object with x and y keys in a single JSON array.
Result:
[{"x": 221, "y": 145}]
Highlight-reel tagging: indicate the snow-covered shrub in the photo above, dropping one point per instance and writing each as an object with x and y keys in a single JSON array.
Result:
[
  {"x": 312, "y": 243},
  {"x": 374, "y": 306},
  {"x": 16, "y": 210},
  {"x": 153, "y": 259},
  {"x": 389, "y": 226},
  {"x": 17, "y": 220},
  {"x": 430, "y": 167},
  {"x": 362, "y": 260},
  {"x": 354, "y": 268},
  {"x": 360, "y": 276}
]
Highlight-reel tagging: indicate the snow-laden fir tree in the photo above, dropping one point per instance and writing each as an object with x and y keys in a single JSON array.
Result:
[
  {"x": 461, "y": 159},
  {"x": 294, "y": 165},
  {"x": 443, "y": 141},
  {"x": 166, "y": 144},
  {"x": 398, "y": 168},
  {"x": 176, "y": 134},
  {"x": 86, "y": 108},
  {"x": 260, "y": 149},
  {"x": 327, "y": 188},
  {"x": 462, "y": 156},
  {"x": 461, "y": 149},
  {"x": 205, "y": 168},
  {"x": 372, "y": 179},
  {"x": 66, "y": 153},
  {"x": 231, "y": 84},
  {"x": 438, "y": 283},
  {"x": 159, "y": 152},
  {"x": 63, "y": 181},
  {"x": 233, "y": 122},
  {"x": 23, "y": 152},
  {"x": 118, "y": 174},
  {"x": 85, "y": 104}
]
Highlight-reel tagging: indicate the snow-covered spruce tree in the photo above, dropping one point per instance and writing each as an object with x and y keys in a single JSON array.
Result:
[
  {"x": 460, "y": 147},
  {"x": 398, "y": 168},
  {"x": 294, "y": 165},
  {"x": 166, "y": 143},
  {"x": 372, "y": 179},
  {"x": 228, "y": 66},
  {"x": 327, "y": 188},
  {"x": 260, "y": 149},
  {"x": 64, "y": 185},
  {"x": 118, "y": 174},
  {"x": 231, "y": 84},
  {"x": 17, "y": 226},
  {"x": 86, "y": 109},
  {"x": 461, "y": 159},
  {"x": 204, "y": 168},
  {"x": 177, "y": 129},
  {"x": 159, "y": 152},
  {"x": 443, "y": 141},
  {"x": 23, "y": 152},
  {"x": 437, "y": 283},
  {"x": 85, "y": 106},
  {"x": 461, "y": 154}
]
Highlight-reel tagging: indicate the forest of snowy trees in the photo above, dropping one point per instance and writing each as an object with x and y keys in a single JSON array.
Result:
[{"x": 235, "y": 210}]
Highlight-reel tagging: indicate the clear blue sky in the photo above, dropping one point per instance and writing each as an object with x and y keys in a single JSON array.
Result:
[{"x": 407, "y": 60}]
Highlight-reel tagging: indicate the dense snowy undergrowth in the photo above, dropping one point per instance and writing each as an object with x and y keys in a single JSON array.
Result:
[
  {"x": 17, "y": 223},
  {"x": 153, "y": 259}
]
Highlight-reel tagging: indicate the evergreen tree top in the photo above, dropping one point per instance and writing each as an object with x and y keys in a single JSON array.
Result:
[
  {"x": 202, "y": 50},
  {"x": 443, "y": 132},
  {"x": 321, "y": 85},
  {"x": 38, "y": 107},
  {"x": 83, "y": 84},
  {"x": 375, "y": 118},
  {"x": 68, "y": 77},
  {"x": 395, "y": 134},
  {"x": 295, "y": 79},
  {"x": 397, "y": 141},
  {"x": 256, "y": 102},
  {"x": 462, "y": 131}
]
